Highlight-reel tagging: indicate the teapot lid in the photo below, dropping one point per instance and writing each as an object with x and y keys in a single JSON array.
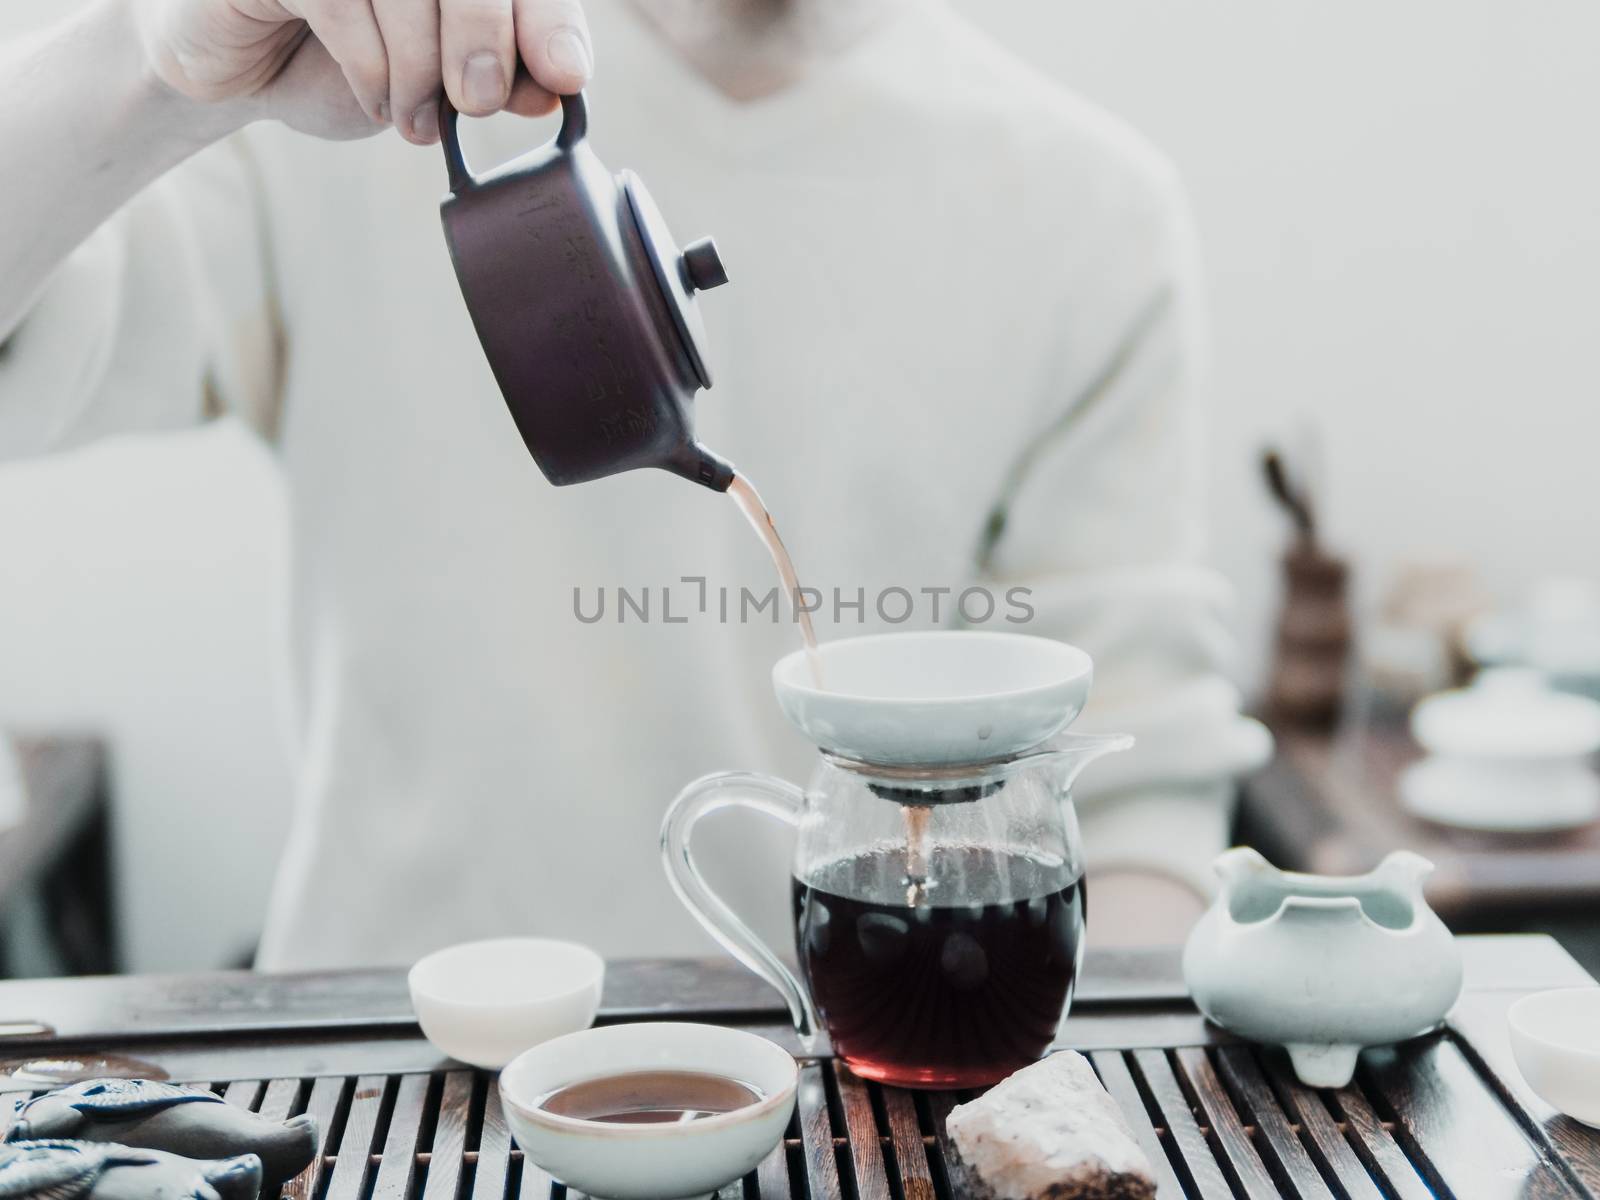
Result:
[{"x": 680, "y": 274}]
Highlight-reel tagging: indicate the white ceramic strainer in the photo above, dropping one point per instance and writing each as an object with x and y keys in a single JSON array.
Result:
[{"x": 934, "y": 699}]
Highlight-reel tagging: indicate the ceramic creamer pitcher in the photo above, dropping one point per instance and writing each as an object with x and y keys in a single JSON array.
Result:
[{"x": 1323, "y": 965}]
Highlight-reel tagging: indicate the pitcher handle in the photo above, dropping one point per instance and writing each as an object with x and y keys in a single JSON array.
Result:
[
  {"x": 734, "y": 789},
  {"x": 574, "y": 127}
]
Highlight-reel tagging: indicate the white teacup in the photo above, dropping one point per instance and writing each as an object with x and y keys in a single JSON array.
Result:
[
  {"x": 1555, "y": 1038},
  {"x": 486, "y": 1002},
  {"x": 649, "y": 1161}
]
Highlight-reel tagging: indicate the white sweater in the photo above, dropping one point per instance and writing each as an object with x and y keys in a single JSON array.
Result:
[{"x": 956, "y": 289}]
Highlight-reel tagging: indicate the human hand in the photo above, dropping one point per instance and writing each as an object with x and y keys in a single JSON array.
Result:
[{"x": 347, "y": 68}]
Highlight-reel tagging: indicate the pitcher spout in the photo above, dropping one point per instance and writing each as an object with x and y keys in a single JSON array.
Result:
[{"x": 1070, "y": 753}]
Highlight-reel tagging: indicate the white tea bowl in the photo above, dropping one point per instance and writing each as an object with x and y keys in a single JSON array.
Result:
[
  {"x": 486, "y": 1002},
  {"x": 627, "y": 1161},
  {"x": 1555, "y": 1038},
  {"x": 936, "y": 698}
]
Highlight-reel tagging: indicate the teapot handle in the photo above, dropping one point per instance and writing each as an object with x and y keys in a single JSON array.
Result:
[
  {"x": 732, "y": 789},
  {"x": 574, "y": 128}
]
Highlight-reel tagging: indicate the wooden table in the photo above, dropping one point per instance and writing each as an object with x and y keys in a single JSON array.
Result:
[
  {"x": 1446, "y": 1115},
  {"x": 61, "y": 848},
  {"x": 1329, "y": 803}
]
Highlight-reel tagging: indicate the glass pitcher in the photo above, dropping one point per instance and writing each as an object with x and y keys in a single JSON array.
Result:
[{"x": 938, "y": 911}]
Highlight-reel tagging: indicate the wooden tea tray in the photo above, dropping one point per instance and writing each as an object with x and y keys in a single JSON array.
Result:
[{"x": 1443, "y": 1116}]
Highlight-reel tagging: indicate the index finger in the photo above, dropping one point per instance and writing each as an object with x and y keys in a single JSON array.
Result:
[{"x": 553, "y": 43}]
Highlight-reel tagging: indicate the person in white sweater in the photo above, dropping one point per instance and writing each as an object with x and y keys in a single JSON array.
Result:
[{"x": 961, "y": 347}]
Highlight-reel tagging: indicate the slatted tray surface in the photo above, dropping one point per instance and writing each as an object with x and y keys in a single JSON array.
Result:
[{"x": 1219, "y": 1121}]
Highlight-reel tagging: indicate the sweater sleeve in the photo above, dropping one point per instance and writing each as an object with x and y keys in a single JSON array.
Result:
[
  {"x": 1102, "y": 518},
  {"x": 163, "y": 316}
]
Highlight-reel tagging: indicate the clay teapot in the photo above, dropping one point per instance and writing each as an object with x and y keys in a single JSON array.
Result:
[{"x": 585, "y": 306}]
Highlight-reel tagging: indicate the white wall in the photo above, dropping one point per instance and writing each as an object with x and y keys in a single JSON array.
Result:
[
  {"x": 139, "y": 595},
  {"x": 1397, "y": 205}
]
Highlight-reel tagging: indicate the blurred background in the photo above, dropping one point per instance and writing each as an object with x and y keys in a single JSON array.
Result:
[{"x": 1396, "y": 206}]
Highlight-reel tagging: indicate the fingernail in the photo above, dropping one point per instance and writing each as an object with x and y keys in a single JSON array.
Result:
[
  {"x": 569, "y": 55},
  {"x": 483, "y": 82},
  {"x": 425, "y": 122}
]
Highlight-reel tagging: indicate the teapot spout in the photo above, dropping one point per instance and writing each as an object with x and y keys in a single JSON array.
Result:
[
  {"x": 699, "y": 465},
  {"x": 1072, "y": 752}
]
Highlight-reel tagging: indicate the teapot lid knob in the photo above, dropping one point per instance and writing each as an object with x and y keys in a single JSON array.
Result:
[
  {"x": 703, "y": 266},
  {"x": 680, "y": 273}
]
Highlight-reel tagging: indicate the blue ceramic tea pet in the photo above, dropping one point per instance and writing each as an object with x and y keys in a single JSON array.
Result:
[
  {"x": 67, "y": 1170},
  {"x": 162, "y": 1116}
]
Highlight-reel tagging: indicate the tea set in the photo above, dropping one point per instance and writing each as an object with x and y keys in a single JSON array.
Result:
[
  {"x": 1321, "y": 966},
  {"x": 937, "y": 875},
  {"x": 937, "y": 855},
  {"x": 941, "y": 791}
]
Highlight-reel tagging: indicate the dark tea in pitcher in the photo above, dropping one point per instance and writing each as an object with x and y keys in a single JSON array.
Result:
[{"x": 930, "y": 986}]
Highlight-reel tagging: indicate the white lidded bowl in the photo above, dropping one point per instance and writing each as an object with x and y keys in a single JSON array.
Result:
[
  {"x": 486, "y": 1002},
  {"x": 934, "y": 699},
  {"x": 1555, "y": 1038},
  {"x": 1508, "y": 753},
  {"x": 1508, "y": 714},
  {"x": 649, "y": 1161}
]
